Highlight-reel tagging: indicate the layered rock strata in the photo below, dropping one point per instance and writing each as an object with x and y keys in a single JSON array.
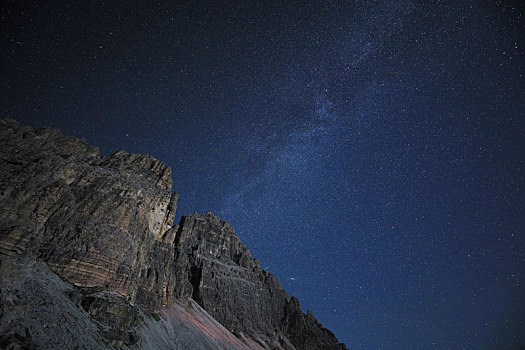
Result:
[{"x": 97, "y": 235}]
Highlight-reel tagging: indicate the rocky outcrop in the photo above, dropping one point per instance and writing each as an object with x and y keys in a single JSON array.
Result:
[
  {"x": 96, "y": 233},
  {"x": 228, "y": 282}
]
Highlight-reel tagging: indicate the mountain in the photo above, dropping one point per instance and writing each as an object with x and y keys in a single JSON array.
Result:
[{"x": 91, "y": 259}]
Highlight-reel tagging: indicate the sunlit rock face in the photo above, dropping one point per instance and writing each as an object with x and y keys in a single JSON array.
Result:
[
  {"x": 88, "y": 242},
  {"x": 91, "y": 218}
]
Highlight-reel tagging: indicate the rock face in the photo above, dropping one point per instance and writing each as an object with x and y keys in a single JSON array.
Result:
[{"x": 88, "y": 243}]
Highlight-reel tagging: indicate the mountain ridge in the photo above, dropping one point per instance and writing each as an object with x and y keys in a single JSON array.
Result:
[{"x": 96, "y": 236}]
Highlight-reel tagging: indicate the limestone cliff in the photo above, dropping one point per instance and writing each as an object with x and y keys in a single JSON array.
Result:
[{"x": 90, "y": 259}]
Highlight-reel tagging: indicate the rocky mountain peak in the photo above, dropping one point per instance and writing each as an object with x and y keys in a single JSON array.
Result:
[{"x": 95, "y": 236}]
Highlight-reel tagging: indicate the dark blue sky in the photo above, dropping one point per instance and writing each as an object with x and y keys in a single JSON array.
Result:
[{"x": 369, "y": 153}]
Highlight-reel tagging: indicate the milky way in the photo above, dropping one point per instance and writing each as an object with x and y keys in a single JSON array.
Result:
[{"x": 369, "y": 153}]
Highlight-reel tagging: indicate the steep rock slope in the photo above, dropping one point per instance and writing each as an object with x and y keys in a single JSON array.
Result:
[{"x": 95, "y": 237}]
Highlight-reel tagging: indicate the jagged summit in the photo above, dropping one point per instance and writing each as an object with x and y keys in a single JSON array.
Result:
[{"x": 90, "y": 257}]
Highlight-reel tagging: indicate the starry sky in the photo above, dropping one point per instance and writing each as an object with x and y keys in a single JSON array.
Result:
[{"x": 369, "y": 153}]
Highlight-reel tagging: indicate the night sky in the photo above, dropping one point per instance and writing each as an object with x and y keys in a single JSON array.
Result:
[{"x": 369, "y": 153}]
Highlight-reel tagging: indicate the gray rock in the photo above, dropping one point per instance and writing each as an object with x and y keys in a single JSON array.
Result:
[{"x": 88, "y": 242}]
